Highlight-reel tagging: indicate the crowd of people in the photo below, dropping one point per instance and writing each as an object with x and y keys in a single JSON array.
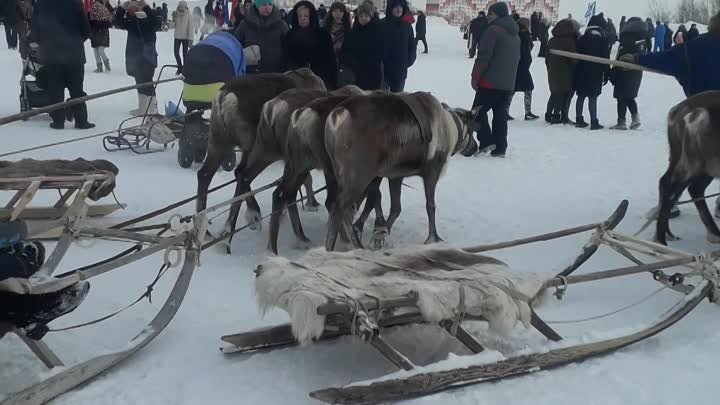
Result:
[{"x": 501, "y": 43}]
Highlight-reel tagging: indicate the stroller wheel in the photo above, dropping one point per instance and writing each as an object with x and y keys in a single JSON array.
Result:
[
  {"x": 185, "y": 153},
  {"x": 229, "y": 164}
]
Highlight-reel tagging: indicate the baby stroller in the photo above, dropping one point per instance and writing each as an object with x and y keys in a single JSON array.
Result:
[
  {"x": 208, "y": 65},
  {"x": 33, "y": 86}
]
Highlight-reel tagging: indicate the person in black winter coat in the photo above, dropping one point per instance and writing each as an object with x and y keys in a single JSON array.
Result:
[
  {"x": 307, "y": 45},
  {"x": 590, "y": 77},
  {"x": 669, "y": 34},
  {"x": 693, "y": 33},
  {"x": 477, "y": 27},
  {"x": 61, "y": 28},
  {"x": 362, "y": 52},
  {"x": 421, "y": 30},
  {"x": 141, "y": 24},
  {"x": 399, "y": 47},
  {"x": 627, "y": 82},
  {"x": 523, "y": 79}
]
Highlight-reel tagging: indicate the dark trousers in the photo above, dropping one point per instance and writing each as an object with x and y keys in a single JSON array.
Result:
[
  {"x": 61, "y": 77},
  {"x": 624, "y": 104},
  {"x": 185, "y": 44},
  {"x": 495, "y": 100},
  {"x": 592, "y": 106},
  {"x": 559, "y": 105},
  {"x": 143, "y": 76},
  {"x": 394, "y": 85},
  {"x": 11, "y": 35},
  {"x": 424, "y": 41}
]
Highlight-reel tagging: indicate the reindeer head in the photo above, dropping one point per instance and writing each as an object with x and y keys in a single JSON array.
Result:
[
  {"x": 306, "y": 79},
  {"x": 466, "y": 123}
]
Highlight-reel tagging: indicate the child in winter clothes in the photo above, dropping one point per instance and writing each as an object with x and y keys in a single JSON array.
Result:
[
  {"x": 100, "y": 23},
  {"x": 184, "y": 33},
  {"x": 590, "y": 77},
  {"x": 627, "y": 82},
  {"x": 561, "y": 72}
]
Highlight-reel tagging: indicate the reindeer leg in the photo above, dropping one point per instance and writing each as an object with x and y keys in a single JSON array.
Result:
[
  {"x": 311, "y": 204},
  {"x": 670, "y": 192},
  {"x": 373, "y": 199},
  {"x": 330, "y": 192},
  {"x": 383, "y": 230},
  {"x": 430, "y": 181},
  {"x": 205, "y": 174},
  {"x": 697, "y": 191},
  {"x": 291, "y": 193}
]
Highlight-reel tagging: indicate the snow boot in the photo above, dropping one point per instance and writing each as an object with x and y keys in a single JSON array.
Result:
[
  {"x": 99, "y": 68},
  {"x": 107, "y": 64},
  {"x": 595, "y": 125},
  {"x": 136, "y": 111},
  {"x": 635, "y": 124},
  {"x": 530, "y": 117},
  {"x": 81, "y": 117},
  {"x": 580, "y": 122},
  {"x": 621, "y": 125},
  {"x": 58, "y": 119}
]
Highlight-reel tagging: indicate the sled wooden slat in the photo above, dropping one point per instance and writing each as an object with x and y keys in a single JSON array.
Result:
[
  {"x": 97, "y": 210},
  {"x": 465, "y": 337},
  {"x": 41, "y": 350},
  {"x": 391, "y": 354},
  {"x": 65, "y": 196},
  {"x": 14, "y": 199},
  {"x": 24, "y": 200}
]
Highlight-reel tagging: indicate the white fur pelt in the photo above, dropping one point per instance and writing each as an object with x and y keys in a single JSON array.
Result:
[{"x": 437, "y": 275}]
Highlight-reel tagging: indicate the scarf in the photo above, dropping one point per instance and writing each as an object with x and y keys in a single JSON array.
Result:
[
  {"x": 337, "y": 32},
  {"x": 99, "y": 12}
]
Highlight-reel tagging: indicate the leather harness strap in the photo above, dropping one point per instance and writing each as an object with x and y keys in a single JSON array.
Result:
[{"x": 421, "y": 114}]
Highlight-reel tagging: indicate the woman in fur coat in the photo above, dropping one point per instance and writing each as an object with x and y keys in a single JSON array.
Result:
[{"x": 101, "y": 20}]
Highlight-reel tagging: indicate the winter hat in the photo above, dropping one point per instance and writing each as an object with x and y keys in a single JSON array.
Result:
[
  {"x": 499, "y": 9},
  {"x": 366, "y": 8},
  {"x": 524, "y": 23},
  {"x": 260, "y": 3},
  {"x": 598, "y": 21}
]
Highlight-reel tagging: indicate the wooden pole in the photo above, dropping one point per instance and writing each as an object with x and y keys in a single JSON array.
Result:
[
  {"x": 74, "y": 101},
  {"x": 610, "y": 62}
]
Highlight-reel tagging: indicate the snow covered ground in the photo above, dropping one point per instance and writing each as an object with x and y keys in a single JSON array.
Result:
[{"x": 554, "y": 177}]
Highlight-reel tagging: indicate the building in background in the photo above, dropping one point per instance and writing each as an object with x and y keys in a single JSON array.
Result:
[{"x": 458, "y": 12}]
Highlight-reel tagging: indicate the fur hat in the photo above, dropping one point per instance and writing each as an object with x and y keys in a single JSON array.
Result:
[
  {"x": 499, "y": 9},
  {"x": 598, "y": 21},
  {"x": 524, "y": 22},
  {"x": 366, "y": 8},
  {"x": 714, "y": 26}
]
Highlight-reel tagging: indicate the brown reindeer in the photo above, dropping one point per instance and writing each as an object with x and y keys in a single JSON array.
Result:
[
  {"x": 392, "y": 136},
  {"x": 694, "y": 138},
  {"x": 234, "y": 121}
]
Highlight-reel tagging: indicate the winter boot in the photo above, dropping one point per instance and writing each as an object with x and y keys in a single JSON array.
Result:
[
  {"x": 81, "y": 117},
  {"x": 595, "y": 125},
  {"x": 107, "y": 64},
  {"x": 635, "y": 124},
  {"x": 621, "y": 125},
  {"x": 99, "y": 68},
  {"x": 580, "y": 122},
  {"x": 58, "y": 119},
  {"x": 530, "y": 116},
  {"x": 136, "y": 112}
]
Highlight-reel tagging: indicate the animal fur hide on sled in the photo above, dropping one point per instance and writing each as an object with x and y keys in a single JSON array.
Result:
[
  {"x": 489, "y": 289},
  {"x": 59, "y": 167}
]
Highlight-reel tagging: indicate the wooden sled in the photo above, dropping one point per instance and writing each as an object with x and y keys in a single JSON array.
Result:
[
  {"x": 78, "y": 186},
  {"x": 369, "y": 318},
  {"x": 43, "y": 281}
]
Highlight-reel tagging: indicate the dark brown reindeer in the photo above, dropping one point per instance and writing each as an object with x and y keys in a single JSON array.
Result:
[
  {"x": 234, "y": 121},
  {"x": 694, "y": 138},
  {"x": 391, "y": 136},
  {"x": 271, "y": 146}
]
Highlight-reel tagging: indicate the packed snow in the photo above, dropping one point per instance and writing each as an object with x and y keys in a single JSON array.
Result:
[{"x": 553, "y": 177}]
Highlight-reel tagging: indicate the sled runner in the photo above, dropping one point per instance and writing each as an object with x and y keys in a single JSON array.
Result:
[
  {"x": 362, "y": 294},
  {"x": 78, "y": 179}
]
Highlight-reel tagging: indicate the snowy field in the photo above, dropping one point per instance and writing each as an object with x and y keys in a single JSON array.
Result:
[{"x": 554, "y": 177}]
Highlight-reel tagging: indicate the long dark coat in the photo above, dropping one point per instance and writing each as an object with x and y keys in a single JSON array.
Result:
[
  {"x": 561, "y": 71},
  {"x": 524, "y": 80},
  {"x": 311, "y": 47},
  {"x": 627, "y": 82},
  {"x": 362, "y": 53},
  {"x": 590, "y": 77},
  {"x": 60, "y": 28},
  {"x": 400, "y": 49},
  {"x": 141, "y": 39}
]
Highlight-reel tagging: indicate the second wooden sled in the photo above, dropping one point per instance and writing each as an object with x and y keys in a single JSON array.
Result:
[{"x": 367, "y": 316}]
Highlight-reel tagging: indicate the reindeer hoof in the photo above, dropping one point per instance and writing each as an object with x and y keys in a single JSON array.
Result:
[
  {"x": 380, "y": 234},
  {"x": 311, "y": 208},
  {"x": 254, "y": 220},
  {"x": 303, "y": 244},
  {"x": 433, "y": 239},
  {"x": 712, "y": 238}
]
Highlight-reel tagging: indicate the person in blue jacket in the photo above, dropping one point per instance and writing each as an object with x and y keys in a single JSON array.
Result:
[{"x": 660, "y": 31}]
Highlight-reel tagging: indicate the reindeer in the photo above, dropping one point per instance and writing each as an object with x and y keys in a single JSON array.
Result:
[
  {"x": 234, "y": 120},
  {"x": 392, "y": 136},
  {"x": 694, "y": 138}
]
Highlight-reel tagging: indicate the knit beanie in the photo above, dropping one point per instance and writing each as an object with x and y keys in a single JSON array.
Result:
[
  {"x": 366, "y": 8},
  {"x": 260, "y": 3},
  {"x": 499, "y": 9},
  {"x": 524, "y": 23}
]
